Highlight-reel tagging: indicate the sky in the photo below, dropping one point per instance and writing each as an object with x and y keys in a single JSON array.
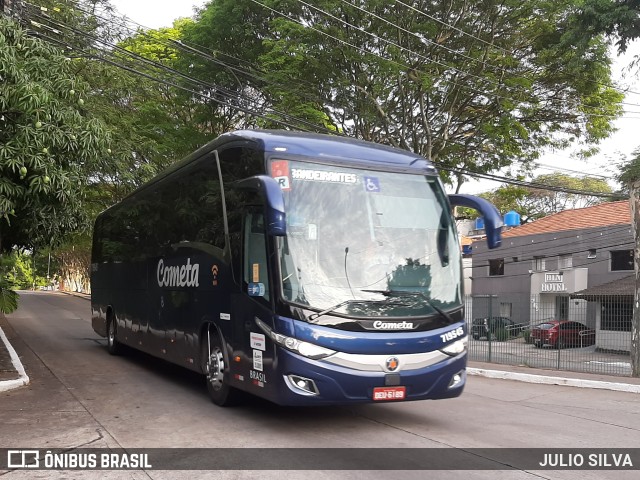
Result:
[{"x": 161, "y": 13}]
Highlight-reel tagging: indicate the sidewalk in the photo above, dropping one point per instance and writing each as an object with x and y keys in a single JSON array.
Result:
[
  {"x": 13, "y": 375},
  {"x": 554, "y": 377}
]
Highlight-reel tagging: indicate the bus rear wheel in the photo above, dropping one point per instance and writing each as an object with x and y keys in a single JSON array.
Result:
[
  {"x": 114, "y": 347},
  {"x": 216, "y": 372}
]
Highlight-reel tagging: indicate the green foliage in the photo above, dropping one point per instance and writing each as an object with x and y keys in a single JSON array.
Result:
[
  {"x": 630, "y": 170},
  {"x": 8, "y": 299},
  {"x": 155, "y": 124},
  {"x": 386, "y": 73},
  {"x": 152, "y": 124},
  {"x": 501, "y": 335},
  {"x": 20, "y": 270},
  {"x": 49, "y": 143},
  {"x": 617, "y": 19}
]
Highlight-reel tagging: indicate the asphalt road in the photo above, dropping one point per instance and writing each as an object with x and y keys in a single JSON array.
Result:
[{"x": 81, "y": 396}]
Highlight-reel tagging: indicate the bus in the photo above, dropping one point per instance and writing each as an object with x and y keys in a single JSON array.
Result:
[{"x": 302, "y": 268}]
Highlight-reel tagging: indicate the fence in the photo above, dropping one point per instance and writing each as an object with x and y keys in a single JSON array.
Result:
[{"x": 552, "y": 331}]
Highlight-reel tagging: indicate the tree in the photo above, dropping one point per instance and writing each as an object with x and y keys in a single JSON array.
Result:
[
  {"x": 49, "y": 142},
  {"x": 619, "y": 19},
  {"x": 49, "y": 145},
  {"x": 155, "y": 123},
  {"x": 464, "y": 84},
  {"x": 533, "y": 203}
]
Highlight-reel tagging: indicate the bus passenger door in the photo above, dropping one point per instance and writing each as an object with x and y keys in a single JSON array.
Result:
[{"x": 254, "y": 371}]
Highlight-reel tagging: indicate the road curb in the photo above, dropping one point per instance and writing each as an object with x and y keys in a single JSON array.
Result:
[
  {"x": 76, "y": 294},
  {"x": 551, "y": 380},
  {"x": 23, "y": 379}
]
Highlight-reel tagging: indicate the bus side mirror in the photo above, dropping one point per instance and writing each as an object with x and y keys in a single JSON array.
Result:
[
  {"x": 271, "y": 193},
  {"x": 492, "y": 219}
]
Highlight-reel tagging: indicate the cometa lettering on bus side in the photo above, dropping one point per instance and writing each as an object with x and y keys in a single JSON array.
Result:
[{"x": 178, "y": 275}]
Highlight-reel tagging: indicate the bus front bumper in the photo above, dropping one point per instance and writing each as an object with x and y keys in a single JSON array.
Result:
[{"x": 323, "y": 382}]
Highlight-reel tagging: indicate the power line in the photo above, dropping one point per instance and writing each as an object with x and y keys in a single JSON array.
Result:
[
  {"x": 187, "y": 47},
  {"x": 426, "y": 59},
  {"x": 391, "y": 23},
  {"x": 184, "y": 46},
  {"x": 444, "y": 47},
  {"x": 492, "y": 44},
  {"x": 610, "y": 230},
  {"x": 253, "y": 112},
  {"x": 521, "y": 183},
  {"x": 190, "y": 49},
  {"x": 195, "y": 81},
  {"x": 371, "y": 53},
  {"x": 402, "y": 65},
  {"x": 171, "y": 84},
  {"x": 580, "y": 265}
]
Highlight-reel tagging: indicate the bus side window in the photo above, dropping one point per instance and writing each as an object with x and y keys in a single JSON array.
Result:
[{"x": 255, "y": 270}]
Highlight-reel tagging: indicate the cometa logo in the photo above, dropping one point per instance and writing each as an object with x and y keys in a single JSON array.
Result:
[
  {"x": 380, "y": 325},
  {"x": 178, "y": 275},
  {"x": 392, "y": 364}
]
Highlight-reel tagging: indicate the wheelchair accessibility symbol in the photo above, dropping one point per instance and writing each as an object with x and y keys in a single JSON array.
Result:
[{"x": 371, "y": 184}]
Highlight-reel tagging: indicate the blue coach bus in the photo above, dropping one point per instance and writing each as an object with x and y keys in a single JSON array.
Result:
[{"x": 305, "y": 269}]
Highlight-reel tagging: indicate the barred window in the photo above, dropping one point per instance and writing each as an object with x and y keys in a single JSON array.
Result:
[{"x": 617, "y": 315}]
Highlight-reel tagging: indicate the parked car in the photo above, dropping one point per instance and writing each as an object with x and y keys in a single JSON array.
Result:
[
  {"x": 562, "y": 334},
  {"x": 483, "y": 327}
]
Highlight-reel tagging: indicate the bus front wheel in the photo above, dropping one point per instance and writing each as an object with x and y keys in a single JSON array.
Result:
[{"x": 216, "y": 372}]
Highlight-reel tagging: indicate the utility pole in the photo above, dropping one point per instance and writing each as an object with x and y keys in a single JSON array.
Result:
[{"x": 634, "y": 191}]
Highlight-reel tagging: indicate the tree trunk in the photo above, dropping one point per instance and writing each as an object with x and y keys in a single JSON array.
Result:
[{"x": 635, "y": 324}]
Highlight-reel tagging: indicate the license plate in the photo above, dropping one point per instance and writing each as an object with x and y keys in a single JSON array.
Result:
[{"x": 382, "y": 394}]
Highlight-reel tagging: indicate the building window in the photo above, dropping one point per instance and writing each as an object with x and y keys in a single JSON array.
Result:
[
  {"x": 592, "y": 253},
  {"x": 562, "y": 308},
  {"x": 496, "y": 267},
  {"x": 506, "y": 309},
  {"x": 538, "y": 264},
  {"x": 565, "y": 261},
  {"x": 617, "y": 314},
  {"x": 621, "y": 260}
]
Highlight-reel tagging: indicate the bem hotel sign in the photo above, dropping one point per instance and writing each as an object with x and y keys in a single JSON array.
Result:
[{"x": 553, "y": 282}]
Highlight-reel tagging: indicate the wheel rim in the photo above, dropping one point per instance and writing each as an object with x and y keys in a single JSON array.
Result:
[
  {"x": 215, "y": 369},
  {"x": 112, "y": 334}
]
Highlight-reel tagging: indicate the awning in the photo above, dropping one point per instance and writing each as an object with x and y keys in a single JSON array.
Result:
[{"x": 622, "y": 287}]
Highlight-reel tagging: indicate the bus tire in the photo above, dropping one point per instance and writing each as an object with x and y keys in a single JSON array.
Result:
[
  {"x": 114, "y": 347},
  {"x": 216, "y": 371}
]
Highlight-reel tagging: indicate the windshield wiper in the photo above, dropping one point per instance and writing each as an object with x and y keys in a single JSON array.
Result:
[
  {"x": 313, "y": 316},
  {"x": 405, "y": 293}
]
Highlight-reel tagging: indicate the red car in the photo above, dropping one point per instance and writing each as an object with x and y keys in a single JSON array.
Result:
[{"x": 562, "y": 334}]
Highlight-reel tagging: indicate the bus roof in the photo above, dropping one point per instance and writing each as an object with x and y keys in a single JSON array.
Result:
[
  {"x": 332, "y": 146},
  {"x": 309, "y": 145}
]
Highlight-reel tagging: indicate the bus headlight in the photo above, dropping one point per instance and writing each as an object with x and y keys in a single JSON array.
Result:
[
  {"x": 306, "y": 349},
  {"x": 456, "y": 348}
]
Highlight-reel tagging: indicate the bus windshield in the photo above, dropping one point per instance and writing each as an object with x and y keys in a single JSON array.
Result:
[{"x": 363, "y": 243}]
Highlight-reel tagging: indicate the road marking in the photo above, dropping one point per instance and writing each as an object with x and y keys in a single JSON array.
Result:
[{"x": 17, "y": 364}]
